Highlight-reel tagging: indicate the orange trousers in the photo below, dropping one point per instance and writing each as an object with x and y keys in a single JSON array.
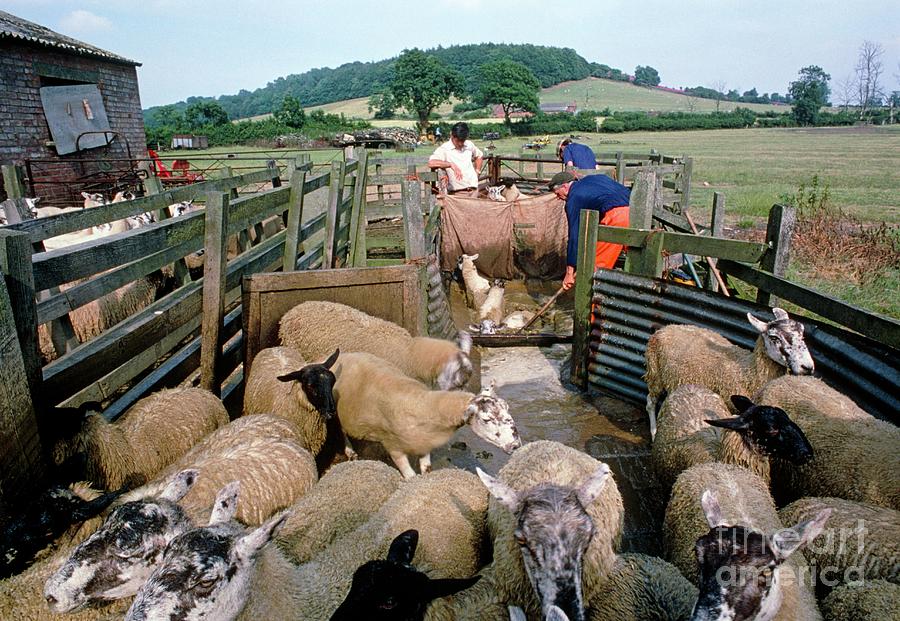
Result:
[{"x": 607, "y": 253}]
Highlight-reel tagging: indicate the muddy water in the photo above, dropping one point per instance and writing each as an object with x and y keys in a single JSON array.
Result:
[{"x": 547, "y": 407}]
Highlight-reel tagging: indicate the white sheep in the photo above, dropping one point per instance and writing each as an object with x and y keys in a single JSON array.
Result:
[
  {"x": 446, "y": 507},
  {"x": 874, "y": 600},
  {"x": 643, "y": 587},
  {"x": 495, "y": 193},
  {"x": 856, "y": 459},
  {"x": 316, "y": 329},
  {"x": 794, "y": 391},
  {"x": 376, "y": 402},
  {"x": 154, "y": 432},
  {"x": 93, "y": 199},
  {"x": 746, "y": 510},
  {"x": 687, "y": 434},
  {"x": 303, "y": 397},
  {"x": 549, "y": 498},
  {"x": 685, "y": 354},
  {"x": 861, "y": 542},
  {"x": 476, "y": 284},
  {"x": 490, "y": 314}
]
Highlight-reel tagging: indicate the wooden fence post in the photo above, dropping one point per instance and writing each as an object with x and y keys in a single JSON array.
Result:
[
  {"x": 620, "y": 167},
  {"x": 332, "y": 216},
  {"x": 716, "y": 227},
  {"x": 686, "y": 173},
  {"x": 276, "y": 174},
  {"x": 294, "y": 221},
  {"x": 152, "y": 186},
  {"x": 779, "y": 230},
  {"x": 584, "y": 279},
  {"x": 13, "y": 181},
  {"x": 21, "y": 464},
  {"x": 358, "y": 212},
  {"x": 15, "y": 256},
  {"x": 646, "y": 195},
  {"x": 213, "y": 290},
  {"x": 413, "y": 223}
]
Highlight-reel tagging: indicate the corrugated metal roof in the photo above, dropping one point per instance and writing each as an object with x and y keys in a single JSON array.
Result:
[{"x": 17, "y": 28}]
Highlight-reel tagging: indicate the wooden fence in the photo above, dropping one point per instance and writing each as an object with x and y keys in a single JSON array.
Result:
[{"x": 198, "y": 324}]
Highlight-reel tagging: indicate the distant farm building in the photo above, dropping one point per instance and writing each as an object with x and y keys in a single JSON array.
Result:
[
  {"x": 559, "y": 108},
  {"x": 189, "y": 141},
  {"x": 69, "y": 111}
]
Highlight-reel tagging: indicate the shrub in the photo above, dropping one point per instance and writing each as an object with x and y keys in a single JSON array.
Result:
[{"x": 613, "y": 125}]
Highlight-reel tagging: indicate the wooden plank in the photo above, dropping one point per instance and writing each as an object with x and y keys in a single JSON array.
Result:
[
  {"x": 717, "y": 227},
  {"x": 331, "y": 211},
  {"x": 520, "y": 340},
  {"x": 646, "y": 197},
  {"x": 152, "y": 185},
  {"x": 673, "y": 220},
  {"x": 15, "y": 262},
  {"x": 358, "y": 216},
  {"x": 584, "y": 279},
  {"x": 737, "y": 250},
  {"x": 686, "y": 174},
  {"x": 779, "y": 231},
  {"x": 13, "y": 181},
  {"x": 620, "y": 167},
  {"x": 878, "y": 327},
  {"x": 294, "y": 220},
  {"x": 213, "y": 290},
  {"x": 413, "y": 223}
]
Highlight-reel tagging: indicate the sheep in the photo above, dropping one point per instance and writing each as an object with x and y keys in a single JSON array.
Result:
[
  {"x": 376, "y": 402},
  {"x": 393, "y": 588},
  {"x": 855, "y": 459},
  {"x": 875, "y": 600},
  {"x": 490, "y": 314},
  {"x": 153, "y": 433},
  {"x": 707, "y": 496},
  {"x": 447, "y": 507},
  {"x": 643, "y": 587},
  {"x": 308, "y": 402},
  {"x": 794, "y": 391},
  {"x": 344, "y": 498},
  {"x": 512, "y": 193},
  {"x": 684, "y": 354},
  {"x": 97, "y": 316},
  {"x": 495, "y": 193},
  {"x": 517, "y": 319},
  {"x": 93, "y": 199},
  {"x": 116, "y": 559},
  {"x": 860, "y": 541},
  {"x": 316, "y": 329},
  {"x": 45, "y": 520},
  {"x": 476, "y": 284},
  {"x": 686, "y": 437},
  {"x": 260, "y": 454},
  {"x": 561, "y": 503}
]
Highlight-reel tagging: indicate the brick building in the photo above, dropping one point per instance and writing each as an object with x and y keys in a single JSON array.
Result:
[{"x": 69, "y": 111}]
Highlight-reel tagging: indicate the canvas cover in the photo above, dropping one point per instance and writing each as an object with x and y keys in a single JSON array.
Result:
[{"x": 526, "y": 237}]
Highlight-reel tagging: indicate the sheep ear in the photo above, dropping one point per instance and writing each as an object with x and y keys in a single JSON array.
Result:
[
  {"x": 473, "y": 327},
  {"x": 225, "y": 506},
  {"x": 85, "y": 195},
  {"x": 556, "y": 614},
  {"x": 779, "y": 313},
  {"x": 517, "y": 614},
  {"x": 711, "y": 509},
  {"x": 403, "y": 547},
  {"x": 490, "y": 390},
  {"x": 591, "y": 489},
  {"x": 445, "y": 587},
  {"x": 179, "y": 485},
  {"x": 741, "y": 402},
  {"x": 757, "y": 323},
  {"x": 474, "y": 257},
  {"x": 464, "y": 340},
  {"x": 289, "y": 377},
  {"x": 248, "y": 546},
  {"x": 786, "y": 542},
  {"x": 499, "y": 490},
  {"x": 736, "y": 423},
  {"x": 332, "y": 359}
]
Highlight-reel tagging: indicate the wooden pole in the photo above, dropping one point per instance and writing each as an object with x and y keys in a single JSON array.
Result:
[
  {"x": 358, "y": 212},
  {"x": 413, "y": 223},
  {"x": 779, "y": 230},
  {"x": 542, "y": 310},
  {"x": 294, "y": 222},
  {"x": 584, "y": 278},
  {"x": 332, "y": 217},
  {"x": 709, "y": 260},
  {"x": 15, "y": 256},
  {"x": 717, "y": 227},
  {"x": 213, "y": 290},
  {"x": 13, "y": 181}
]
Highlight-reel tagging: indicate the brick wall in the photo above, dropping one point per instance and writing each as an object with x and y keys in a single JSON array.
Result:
[{"x": 24, "y": 130}]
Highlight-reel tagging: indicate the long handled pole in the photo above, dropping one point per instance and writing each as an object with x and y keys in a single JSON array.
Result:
[
  {"x": 712, "y": 267},
  {"x": 543, "y": 310}
]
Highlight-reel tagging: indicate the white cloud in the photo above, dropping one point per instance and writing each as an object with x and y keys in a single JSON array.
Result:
[{"x": 82, "y": 22}]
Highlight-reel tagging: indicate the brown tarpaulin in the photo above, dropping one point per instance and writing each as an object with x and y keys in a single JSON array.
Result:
[{"x": 526, "y": 237}]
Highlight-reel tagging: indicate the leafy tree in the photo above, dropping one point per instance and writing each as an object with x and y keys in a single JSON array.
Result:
[
  {"x": 510, "y": 84},
  {"x": 203, "y": 113},
  {"x": 384, "y": 105},
  {"x": 809, "y": 92},
  {"x": 291, "y": 113},
  {"x": 646, "y": 76},
  {"x": 167, "y": 116},
  {"x": 422, "y": 83}
]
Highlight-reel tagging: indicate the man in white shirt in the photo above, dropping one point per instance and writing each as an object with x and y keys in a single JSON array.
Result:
[{"x": 462, "y": 158}]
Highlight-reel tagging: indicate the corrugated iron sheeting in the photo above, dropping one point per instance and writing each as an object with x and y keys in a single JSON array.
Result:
[{"x": 633, "y": 307}]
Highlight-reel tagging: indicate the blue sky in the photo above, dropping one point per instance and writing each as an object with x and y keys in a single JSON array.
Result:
[{"x": 215, "y": 47}]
